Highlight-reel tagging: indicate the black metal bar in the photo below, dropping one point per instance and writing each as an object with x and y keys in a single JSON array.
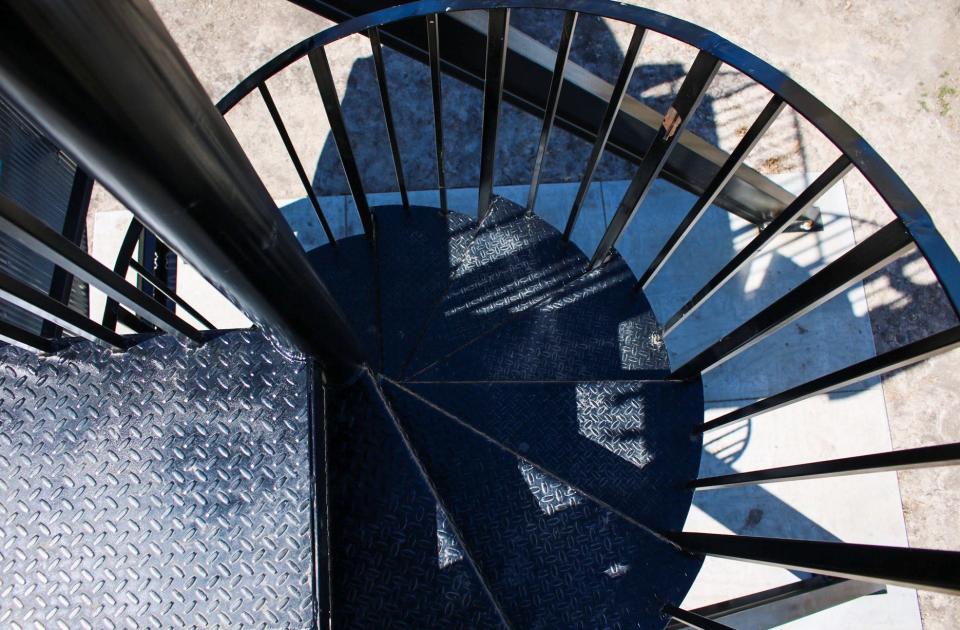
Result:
[
  {"x": 875, "y": 252},
  {"x": 42, "y": 305},
  {"x": 25, "y": 340},
  {"x": 297, "y": 164},
  {"x": 61, "y": 284},
  {"x": 47, "y": 242},
  {"x": 131, "y": 111},
  {"x": 584, "y": 98},
  {"x": 688, "y": 98},
  {"x": 433, "y": 45},
  {"x": 381, "y": 72},
  {"x": 814, "y": 191},
  {"x": 124, "y": 255},
  {"x": 606, "y": 125},
  {"x": 497, "y": 28},
  {"x": 874, "y": 366},
  {"x": 692, "y": 619},
  {"x": 169, "y": 293},
  {"x": 553, "y": 98},
  {"x": 133, "y": 322},
  {"x": 723, "y": 176},
  {"x": 338, "y": 128},
  {"x": 783, "y": 604},
  {"x": 925, "y": 569},
  {"x": 923, "y": 457}
]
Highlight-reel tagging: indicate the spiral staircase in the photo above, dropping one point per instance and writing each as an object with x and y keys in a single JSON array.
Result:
[{"x": 454, "y": 418}]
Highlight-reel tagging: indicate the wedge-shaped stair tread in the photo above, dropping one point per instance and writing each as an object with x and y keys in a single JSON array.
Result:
[
  {"x": 416, "y": 252},
  {"x": 551, "y": 557},
  {"x": 596, "y": 327},
  {"x": 387, "y": 568},
  {"x": 626, "y": 444},
  {"x": 349, "y": 272},
  {"x": 514, "y": 262}
]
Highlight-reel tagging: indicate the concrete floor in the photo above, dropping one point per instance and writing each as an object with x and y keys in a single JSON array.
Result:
[{"x": 890, "y": 69}]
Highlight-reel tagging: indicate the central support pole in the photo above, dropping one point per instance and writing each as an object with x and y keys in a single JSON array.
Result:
[{"x": 107, "y": 82}]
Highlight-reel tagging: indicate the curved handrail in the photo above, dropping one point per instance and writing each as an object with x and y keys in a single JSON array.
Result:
[{"x": 881, "y": 176}]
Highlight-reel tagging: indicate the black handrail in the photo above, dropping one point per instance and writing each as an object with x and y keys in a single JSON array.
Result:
[
  {"x": 912, "y": 227},
  {"x": 865, "y": 158}
]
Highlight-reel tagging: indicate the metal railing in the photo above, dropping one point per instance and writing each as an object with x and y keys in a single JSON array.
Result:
[{"x": 911, "y": 229}]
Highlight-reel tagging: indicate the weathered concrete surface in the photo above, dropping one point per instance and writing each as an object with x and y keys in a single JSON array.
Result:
[{"x": 891, "y": 69}]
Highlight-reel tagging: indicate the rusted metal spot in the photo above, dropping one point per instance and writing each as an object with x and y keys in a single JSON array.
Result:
[{"x": 671, "y": 122}]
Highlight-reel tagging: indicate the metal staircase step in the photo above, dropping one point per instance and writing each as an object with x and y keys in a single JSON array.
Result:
[
  {"x": 625, "y": 444},
  {"x": 349, "y": 271},
  {"x": 514, "y": 262},
  {"x": 595, "y": 328},
  {"x": 416, "y": 251},
  {"x": 551, "y": 557},
  {"x": 393, "y": 563}
]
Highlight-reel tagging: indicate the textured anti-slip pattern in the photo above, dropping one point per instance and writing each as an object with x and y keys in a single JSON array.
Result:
[
  {"x": 393, "y": 564},
  {"x": 549, "y": 559},
  {"x": 514, "y": 262},
  {"x": 595, "y": 327},
  {"x": 626, "y": 443},
  {"x": 416, "y": 251},
  {"x": 165, "y": 487}
]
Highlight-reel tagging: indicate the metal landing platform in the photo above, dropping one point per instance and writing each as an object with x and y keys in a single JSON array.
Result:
[{"x": 164, "y": 487}]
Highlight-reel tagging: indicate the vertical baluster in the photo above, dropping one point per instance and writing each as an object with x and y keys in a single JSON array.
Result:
[
  {"x": 874, "y": 366},
  {"x": 111, "y": 311},
  {"x": 553, "y": 98},
  {"x": 723, "y": 176},
  {"x": 875, "y": 252},
  {"x": 694, "y": 86},
  {"x": 381, "y": 72},
  {"x": 61, "y": 284},
  {"x": 297, "y": 164},
  {"x": 338, "y": 127},
  {"x": 927, "y": 569},
  {"x": 498, "y": 28},
  {"x": 433, "y": 44},
  {"x": 814, "y": 191},
  {"x": 609, "y": 117}
]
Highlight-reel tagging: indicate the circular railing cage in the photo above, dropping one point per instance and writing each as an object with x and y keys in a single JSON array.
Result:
[{"x": 911, "y": 229}]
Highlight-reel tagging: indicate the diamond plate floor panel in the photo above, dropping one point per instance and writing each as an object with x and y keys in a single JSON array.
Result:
[
  {"x": 552, "y": 558},
  {"x": 394, "y": 564},
  {"x": 514, "y": 262},
  {"x": 416, "y": 252},
  {"x": 596, "y": 327},
  {"x": 625, "y": 443},
  {"x": 164, "y": 487}
]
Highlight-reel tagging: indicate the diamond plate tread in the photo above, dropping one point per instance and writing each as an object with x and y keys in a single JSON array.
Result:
[
  {"x": 393, "y": 563},
  {"x": 349, "y": 271},
  {"x": 625, "y": 443},
  {"x": 415, "y": 253},
  {"x": 163, "y": 487},
  {"x": 596, "y": 328},
  {"x": 551, "y": 557},
  {"x": 514, "y": 262}
]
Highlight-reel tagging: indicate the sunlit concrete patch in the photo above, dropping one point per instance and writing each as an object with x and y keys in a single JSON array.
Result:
[{"x": 856, "y": 508}]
